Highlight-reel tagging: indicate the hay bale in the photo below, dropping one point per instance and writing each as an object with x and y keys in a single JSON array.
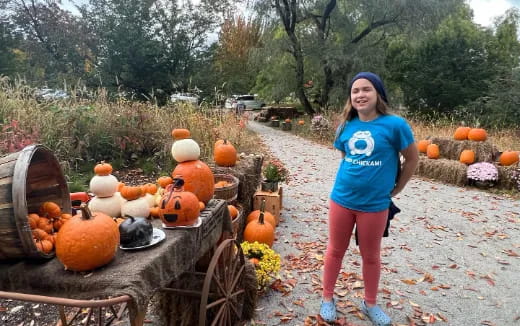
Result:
[
  {"x": 505, "y": 177},
  {"x": 449, "y": 171},
  {"x": 485, "y": 151}
]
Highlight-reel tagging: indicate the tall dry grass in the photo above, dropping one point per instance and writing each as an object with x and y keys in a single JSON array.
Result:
[{"x": 81, "y": 132}]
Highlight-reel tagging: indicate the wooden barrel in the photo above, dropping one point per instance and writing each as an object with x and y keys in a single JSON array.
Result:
[{"x": 27, "y": 179}]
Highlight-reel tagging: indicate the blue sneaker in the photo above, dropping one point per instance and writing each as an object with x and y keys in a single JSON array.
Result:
[
  {"x": 376, "y": 315},
  {"x": 328, "y": 310}
]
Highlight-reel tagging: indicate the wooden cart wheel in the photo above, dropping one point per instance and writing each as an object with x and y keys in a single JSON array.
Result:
[{"x": 225, "y": 279}]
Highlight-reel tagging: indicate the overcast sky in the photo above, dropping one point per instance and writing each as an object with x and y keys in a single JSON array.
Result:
[{"x": 484, "y": 10}]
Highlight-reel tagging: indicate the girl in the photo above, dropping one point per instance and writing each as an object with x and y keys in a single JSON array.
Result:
[{"x": 370, "y": 141}]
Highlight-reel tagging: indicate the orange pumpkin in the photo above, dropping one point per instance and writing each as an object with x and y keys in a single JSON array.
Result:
[
  {"x": 467, "y": 156},
  {"x": 477, "y": 134},
  {"x": 87, "y": 241},
  {"x": 103, "y": 168},
  {"x": 433, "y": 151},
  {"x": 461, "y": 133},
  {"x": 58, "y": 222},
  {"x": 422, "y": 145},
  {"x": 179, "y": 207},
  {"x": 201, "y": 205},
  {"x": 301, "y": 122},
  {"x": 198, "y": 179},
  {"x": 130, "y": 192},
  {"x": 268, "y": 217},
  {"x": 233, "y": 212},
  {"x": 120, "y": 185},
  {"x": 259, "y": 230},
  {"x": 254, "y": 261},
  {"x": 149, "y": 188},
  {"x": 154, "y": 212},
  {"x": 39, "y": 234},
  {"x": 33, "y": 220},
  {"x": 225, "y": 154},
  {"x": 181, "y": 134},
  {"x": 45, "y": 246},
  {"x": 49, "y": 209},
  {"x": 509, "y": 158},
  {"x": 217, "y": 143},
  {"x": 164, "y": 181},
  {"x": 45, "y": 224},
  {"x": 287, "y": 120}
]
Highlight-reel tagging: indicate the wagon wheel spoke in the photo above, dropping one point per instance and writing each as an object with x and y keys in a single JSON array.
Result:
[
  {"x": 217, "y": 317},
  {"x": 219, "y": 285}
]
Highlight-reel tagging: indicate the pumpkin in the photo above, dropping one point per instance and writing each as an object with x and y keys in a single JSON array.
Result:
[
  {"x": 198, "y": 179},
  {"x": 268, "y": 217},
  {"x": 49, "y": 209},
  {"x": 39, "y": 234},
  {"x": 433, "y": 151},
  {"x": 301, "y": 122},
  {"x": 233, "y": 212},
  {"x": 131, "y": 192},
  {"x": 149, "y": 188},
  {"x": 33, "y": 220},
  {"x": 45, "y": 246},
  {"x": 103, "y": 168},
  {"x": 254, "y": 261},
  {"x": 509, "y": 158},
  {"x": 135, "y": 232},
  {"x": 225, "y": 154},
  {"x": 179, "y": 133},
  {"x": 477, "y": 134},
  {"x": 139, "y": 207},
  {"x": 87, "y": 241},
  {"x": 45, "y": 224},
  {"x": 185, "y": 150},
  {"x": 110, "y": 206},
  {"x": 104, "y": 186},
  {"x": 422, "y": 145},
  {"x": 287, "y": 120},
  {"x": 164, "y": 181},
  {"x": 201, "y": 205},
  {"x": 58, "y": 222},
  {"x": 467, "y": 156},
  {"x": 218, "y": 143},
  {"x": 179, "y": 207},
  {"x": 259, "y": 230},
  {"x": 461, "y": 133},
  {"x": 154, "y": 212}
]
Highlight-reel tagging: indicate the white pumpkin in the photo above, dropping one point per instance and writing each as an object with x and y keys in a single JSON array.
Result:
[
  {"x": 185, "y": 150},
  {"x": 108, "y": 205},
  {"x": 103, "y": 185},
  {"x": 136, "y": 208},
  {"x": 150, "y": 199}
]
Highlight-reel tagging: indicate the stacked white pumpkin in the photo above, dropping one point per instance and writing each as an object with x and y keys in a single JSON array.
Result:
[{"x": 104, "y": 187}]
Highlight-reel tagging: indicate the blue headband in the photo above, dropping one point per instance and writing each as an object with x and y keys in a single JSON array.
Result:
[{"x": 374, "y": 79}]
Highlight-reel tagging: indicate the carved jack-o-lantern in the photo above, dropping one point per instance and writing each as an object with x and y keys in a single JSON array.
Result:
[{"x": 179, "y": 207}]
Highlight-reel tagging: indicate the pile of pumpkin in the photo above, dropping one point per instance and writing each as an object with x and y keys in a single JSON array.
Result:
[
  {"x": 467, "y": 156},
  {"x": 45, "y": 225}
]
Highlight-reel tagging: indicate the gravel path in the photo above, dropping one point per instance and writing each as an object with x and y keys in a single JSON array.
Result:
[{"x": 452, "y": 257}]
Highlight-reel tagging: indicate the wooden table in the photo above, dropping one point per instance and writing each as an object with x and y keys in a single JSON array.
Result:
[{"x": 132, "y": 277}]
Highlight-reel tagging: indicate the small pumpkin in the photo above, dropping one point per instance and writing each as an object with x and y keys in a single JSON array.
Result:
[
  {"x": 477, "y": 134},
  {"x": 509, "y": 158},
  {"x": 180, "y": 133},
  {"x": 49, "y": 209},
  {"x": 198, "y": 179},
  {"x": 301, "y": 122},
  {"x": 233, "y": 212},
  {"x": 45, "y": 246},
  {"x": 287, "y": 120},
  {"x": 422, "y": 145},
  {"x": 33, "y": 220},
  {"x": 131, "y": 192},
  {"x": 103, "y": 168},
  {"x": 58, "y": 222},
  {"x": 461, "y": 133},
  {"x": 467, "y": 156},
  {"x": 45, "y": 224},
  {"x": 164, "y": 181},
  {"x": 179, "y": 207},
  {"x": 259, "y": 230},
  {"x": 433, "y": 151},
  {"x": 87, "y": 241},
  {"x": 225, "y": 154},
  {"x": 185, "y": 150}
]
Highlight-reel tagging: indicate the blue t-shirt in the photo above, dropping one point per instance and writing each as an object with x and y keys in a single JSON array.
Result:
[{"x": 366, "y": 176}]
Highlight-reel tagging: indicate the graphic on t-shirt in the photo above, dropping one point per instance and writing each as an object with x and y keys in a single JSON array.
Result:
[{"x": 360, "y": 138}]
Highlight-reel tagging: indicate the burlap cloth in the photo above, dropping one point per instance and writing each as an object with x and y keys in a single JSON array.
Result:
[{"x": 138, "y": 274}]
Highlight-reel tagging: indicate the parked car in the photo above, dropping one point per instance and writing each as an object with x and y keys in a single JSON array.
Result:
[
  {"x": 230, "y": 102},
  {"x": 49, "y": 94},
  {"x": 185, "y": 97},
  {"x": 250, "y": 102}
]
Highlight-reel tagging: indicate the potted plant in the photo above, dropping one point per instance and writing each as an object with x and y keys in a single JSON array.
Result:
[{"x": 274, "y": 172}]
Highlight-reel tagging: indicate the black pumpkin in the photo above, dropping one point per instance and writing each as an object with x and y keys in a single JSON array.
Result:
[{"x": 135, "y": 232}]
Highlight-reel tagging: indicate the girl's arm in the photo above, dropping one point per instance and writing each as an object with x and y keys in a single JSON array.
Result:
[{"x": 411, "y": 157}]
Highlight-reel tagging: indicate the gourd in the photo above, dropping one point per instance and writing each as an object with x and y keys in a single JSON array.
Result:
[
  {"x": 422, "y": 145},
  {"x": 259, "y": 230},
  {"x": 225, "y": 154},
  {"x": 433, "y": 151},
  {"x": 103, "y": 185},
  {"x": 110, "y": 206},
  {"x": 179, "y": 207},
  {"x": 509, "y": 158},
  {"x": 467, "y": 156},
  {"x": 87, "y": 241},
  {"x": 198, "y": 179},
  {"x": 477, "y": 134},
  {"x": 461, "y": 133}
]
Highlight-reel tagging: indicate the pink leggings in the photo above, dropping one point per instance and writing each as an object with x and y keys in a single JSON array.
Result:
[{"x": 370, "y": 228}]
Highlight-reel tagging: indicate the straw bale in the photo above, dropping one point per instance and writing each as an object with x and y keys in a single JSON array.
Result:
[
  {"x": 450, "y": 149},
  {"x": 505, "y": 177},
  {"x": 449, "y": 171}
]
